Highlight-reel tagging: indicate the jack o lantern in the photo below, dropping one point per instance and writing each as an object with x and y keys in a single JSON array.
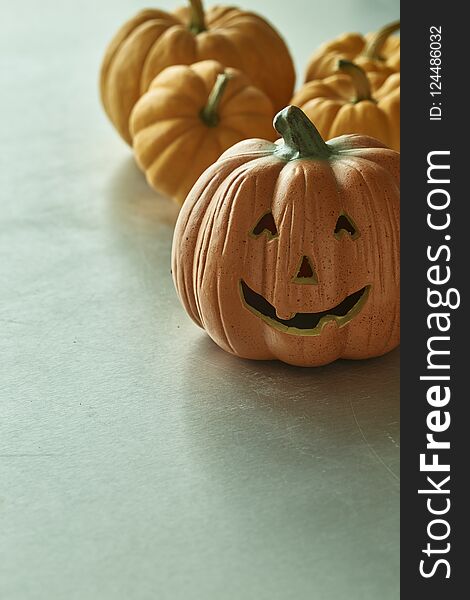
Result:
[{"x": 290, "y": 250}]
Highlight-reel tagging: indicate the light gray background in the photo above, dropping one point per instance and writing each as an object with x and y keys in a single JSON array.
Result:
[{"x": 137, "y": 460}]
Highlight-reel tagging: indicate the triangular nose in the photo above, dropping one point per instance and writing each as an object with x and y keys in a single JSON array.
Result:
[{"x": 306, "y": 272}]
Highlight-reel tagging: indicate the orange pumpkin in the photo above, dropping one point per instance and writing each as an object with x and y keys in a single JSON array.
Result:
[
  {"x": 290, "y": 250},
  {"x": 374, "y": 52},
  {"x": 154, "y": 40},
  {"x": 344, "y": 103},
  {"x": 189, "y": 116}
]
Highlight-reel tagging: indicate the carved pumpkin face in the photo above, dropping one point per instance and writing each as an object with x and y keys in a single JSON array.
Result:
[
  {"x": 290, "y": 250},
  {"x": 298, "y": 322}
]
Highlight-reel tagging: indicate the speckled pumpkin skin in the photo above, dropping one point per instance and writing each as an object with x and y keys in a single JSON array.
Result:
[
  {"x": 154, "y": 40},
  {"x": 213, "y": 249},
  {"x": 328, "y": 103}
]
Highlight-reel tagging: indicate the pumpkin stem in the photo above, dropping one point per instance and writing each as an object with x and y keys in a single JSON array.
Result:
[
  {"x": 197, "y": 24},
  {"x": 359, "y": 80},
  {"x": 375, "y": 44},
  {"x": 209, "y": 113},
  {"x": 301, "y": 138}
]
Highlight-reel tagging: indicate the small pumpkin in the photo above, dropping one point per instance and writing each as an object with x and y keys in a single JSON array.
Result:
[
  {"x": 344, "y": 103},
  {"x": 154, "y": 40},
  {"x": 188, "y": 117},
  {"x": 374, "y": 52},
  {"x": 290, "y": 250}
]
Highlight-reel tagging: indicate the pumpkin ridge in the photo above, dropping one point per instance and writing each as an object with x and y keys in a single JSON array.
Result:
[
  {"x": 349, "y": 118},
  {"x": 253, "y": 27},
  {"x": 233, "y": 190},
  {"x": 207, "y": 227},
  {"x": 242, "y": 89},
  {"x": 163, "y": 157},
  {"x": 253, "y": 156},
  {"x": 183, "y": 80},
  {"x": 188, "y": 286},
  {"x": 292, "y": 215},
  {"x": 128, "y": 90},
  {"x": 137, "y": 31},
  {"x": 237, "y": 132},
  {"x": 208, "y": 147},
  {"x": 346, "y": 42},
  {"x": 148, "y": 72},
  {"x": 332, "y": 106},
  {"x": 330, "y": 88},
  {"x": 193, "y": 211},
  {"x": 390, "y": 86},
  {"x": 238, "y": 115},
  {"x": 376, "y": 244},
  {"x": 246, "y": 66},
  {"x": 339, "y": 193},
  {"x": 370, "y": 195},
  {"x": 287, "y": 213},
  {"x": 225, "y": 43},
  {"x": 208, "y": 70},
  {"x": 170, "y": 120},
  {"x": 172, "y": 94},
  {"x": 268, "y": 80},
  {"x": 247, "y": 17},
  {"x": 147, "y": 112},
  {"x": 174, "y": 128},
  {"x": 204, "y": 234},
  {"x": 120, "y": 37},
  {"x": 197, "y": 260},
  {"x": 328, "y": 166},
  {"x": 217, "y": 15},
  {"x": 222, "y": 319}
]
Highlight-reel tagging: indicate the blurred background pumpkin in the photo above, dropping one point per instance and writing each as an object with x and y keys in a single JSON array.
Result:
[
  {"x": 189, "y": 117},
  {"x": 378, "y": 51},
  {"x": 154, "y": 40},
  {"x": 344, "y": 103}
]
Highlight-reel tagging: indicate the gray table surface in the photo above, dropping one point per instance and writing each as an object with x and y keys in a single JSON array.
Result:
[{"x": 137, "y": 460}]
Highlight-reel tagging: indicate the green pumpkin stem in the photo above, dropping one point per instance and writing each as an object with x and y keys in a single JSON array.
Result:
[
  {"x": 359, "y": 79},
  {"x": 374, "y": 46},
  {"x": 209, "y": 114},
  {"x": 301, "y": 138},
  {"x": 197, "y": 23}
]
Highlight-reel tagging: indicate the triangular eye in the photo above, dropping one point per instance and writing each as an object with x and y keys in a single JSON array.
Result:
[
  {"x": 265, "y": 225},
  {"x": 346, "y": 226}
]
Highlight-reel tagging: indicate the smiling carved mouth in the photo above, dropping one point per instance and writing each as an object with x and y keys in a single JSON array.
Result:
[{"x": 304, "y": 323}]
